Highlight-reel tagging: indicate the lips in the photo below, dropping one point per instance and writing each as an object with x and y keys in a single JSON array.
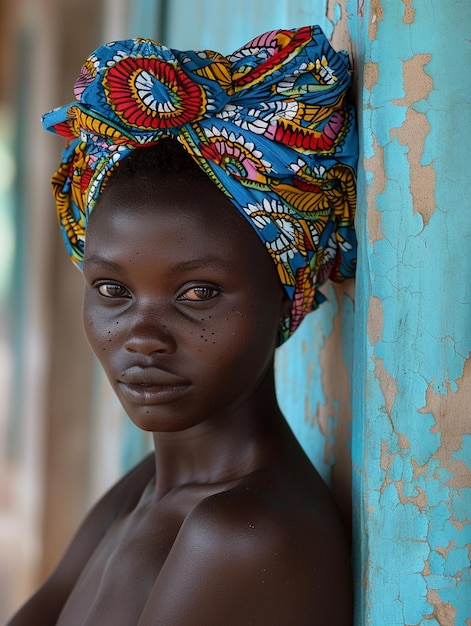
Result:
[{"x": 150, "y": 385}]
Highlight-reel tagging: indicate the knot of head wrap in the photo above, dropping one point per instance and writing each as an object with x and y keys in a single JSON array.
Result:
[{"x": 269, "y": 124}]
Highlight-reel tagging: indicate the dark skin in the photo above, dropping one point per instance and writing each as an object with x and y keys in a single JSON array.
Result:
[{"x": 228, "y": 522}]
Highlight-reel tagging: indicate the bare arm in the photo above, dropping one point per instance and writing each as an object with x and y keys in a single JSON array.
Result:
[{"x": 46, "y": 604}]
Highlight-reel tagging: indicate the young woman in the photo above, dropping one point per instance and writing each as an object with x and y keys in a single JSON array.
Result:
[{"x": 179, "y": 165}]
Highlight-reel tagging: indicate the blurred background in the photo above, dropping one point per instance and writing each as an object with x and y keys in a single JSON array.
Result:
[{"x": 63, "y": 437}]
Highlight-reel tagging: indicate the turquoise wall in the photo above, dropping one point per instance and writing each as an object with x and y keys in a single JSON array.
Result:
[{"x": 411, "y": 428}]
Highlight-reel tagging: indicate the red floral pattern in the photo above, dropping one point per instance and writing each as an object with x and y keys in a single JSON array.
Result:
[{"x": 135, "y": 86}]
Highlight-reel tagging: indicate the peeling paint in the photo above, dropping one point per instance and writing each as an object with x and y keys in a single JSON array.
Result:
[
  {"x": 444, "y": 613},
  {"x": 414, "y": 131},
  {"x": 374, "y": 167},
  {"x": 370, "y": 75},
  {"x": 455, "y": 449},
  {"x": 409, "y": 12},
  {"x": 340, "y": 39},
  {"x": 411, "y": 426},
  {"x": 376, "y": 14}
]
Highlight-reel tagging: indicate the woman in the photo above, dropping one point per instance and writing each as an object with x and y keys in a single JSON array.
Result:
[{"x": 178, "y": 165}]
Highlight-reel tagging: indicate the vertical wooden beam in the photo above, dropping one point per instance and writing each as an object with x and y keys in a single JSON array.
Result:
[
  {"x": 68, "y": 380},
  {"x": 411, "y": 433}
]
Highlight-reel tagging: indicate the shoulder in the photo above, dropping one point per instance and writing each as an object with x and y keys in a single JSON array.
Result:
[
  {"x": 261, "y": 523},
  {"x": 255, "y": 559},
  {"x": 272, "y": 505},
  {"x": 48, "y": 601},
  {"x": 116, "y": 502}
]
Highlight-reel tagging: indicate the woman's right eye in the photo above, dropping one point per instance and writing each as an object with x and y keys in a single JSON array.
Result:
[{"x": 112, "y": 290}]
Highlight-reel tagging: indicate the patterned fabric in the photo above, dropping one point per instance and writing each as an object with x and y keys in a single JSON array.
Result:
[{"x": 268, "y": 124}]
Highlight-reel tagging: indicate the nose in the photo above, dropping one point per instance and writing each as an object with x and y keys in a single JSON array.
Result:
[{"x": 148, "y": 334}]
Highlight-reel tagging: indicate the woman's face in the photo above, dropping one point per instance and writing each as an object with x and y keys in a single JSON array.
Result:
[{"x": 182, "y": 303}]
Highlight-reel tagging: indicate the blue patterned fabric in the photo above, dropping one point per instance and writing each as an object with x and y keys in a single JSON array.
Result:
[{"x": 269, "y": 124}]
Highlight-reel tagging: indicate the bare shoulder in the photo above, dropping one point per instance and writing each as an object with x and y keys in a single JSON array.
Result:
[
  {"x": 256, "y": 556},
  {"x": 116, "y": 502},
  {"x": 48, "y": 601}
]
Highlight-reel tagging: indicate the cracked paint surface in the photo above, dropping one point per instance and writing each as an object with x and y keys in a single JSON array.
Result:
[{"x": 412, "y": 425}]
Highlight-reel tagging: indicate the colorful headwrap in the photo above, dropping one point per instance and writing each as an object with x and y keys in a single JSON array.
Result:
[{"x": 268, "y": 124}]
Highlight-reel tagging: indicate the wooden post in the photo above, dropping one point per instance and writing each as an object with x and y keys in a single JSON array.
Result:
[{"x": 412, "y": 371}]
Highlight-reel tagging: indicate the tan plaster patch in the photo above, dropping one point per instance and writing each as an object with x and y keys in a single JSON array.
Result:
[
  {"x": 413, "y": 133},
  {"x": 370, "y": 75},
  {"x": 376, "y": 15},
  {"x": 419, "y": 470},
  {"x": 340, "y": 39},
  {"x": 417, "y": 83},
  {"x": 309, "y": 417},
  {"x": 444, "y": 612},
  {"x": 386, "y": 457},
  {"x": 451, "y": 414},
  {"x": 375, "y": 322},
  {"x": 420, "y": 500},
  {"x": 409, "y": 12},
  {"x": 388, "y": 386},
  {"x": 375, "y": 165},
  {"x": 445, "y": 550}
]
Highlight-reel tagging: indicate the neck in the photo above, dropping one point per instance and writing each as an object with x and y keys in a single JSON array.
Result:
[{"x": 225, "y": 447}]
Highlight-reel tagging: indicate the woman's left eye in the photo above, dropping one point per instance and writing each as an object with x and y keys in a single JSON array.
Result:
[{"x": 199, "y": 293}]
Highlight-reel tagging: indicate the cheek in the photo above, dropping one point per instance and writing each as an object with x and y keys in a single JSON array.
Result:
[
  {"x": 100, "y": 332},
  {"x": 205, "y": 333},
  {"x": 88, "y": 322},
  {"x": 247, "y": 335}
]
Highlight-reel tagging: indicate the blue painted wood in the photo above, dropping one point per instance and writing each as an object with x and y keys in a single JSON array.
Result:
[
  {"x": 411, "y": 441},
  {"x": 225, "y": 26}
]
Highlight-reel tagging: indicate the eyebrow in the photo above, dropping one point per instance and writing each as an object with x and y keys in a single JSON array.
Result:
[
  {"x": 102, "y": 262},
  {"x": 183, "y": 266},
  {"x": 203, "y": 262}
]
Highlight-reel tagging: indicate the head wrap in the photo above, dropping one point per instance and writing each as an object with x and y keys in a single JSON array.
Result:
[{"x": 269, "y": 124}]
